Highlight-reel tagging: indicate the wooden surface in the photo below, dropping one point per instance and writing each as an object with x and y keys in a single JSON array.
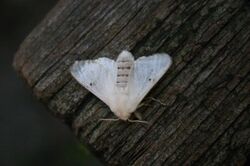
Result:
[{"x": 207, "y": 117}]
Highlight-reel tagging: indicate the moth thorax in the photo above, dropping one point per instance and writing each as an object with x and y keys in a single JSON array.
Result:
[{"x": 124, "y": 68}]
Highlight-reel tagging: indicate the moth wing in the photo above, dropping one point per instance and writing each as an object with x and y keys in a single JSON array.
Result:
[
  {"x": 97, "y": 76},
  {"x": 147, "y": 72}
]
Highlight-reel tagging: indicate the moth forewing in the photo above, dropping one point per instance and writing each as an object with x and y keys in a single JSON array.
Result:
[
  {"x": 96, "y": 76},
  {"x": 148, "y": 71}
]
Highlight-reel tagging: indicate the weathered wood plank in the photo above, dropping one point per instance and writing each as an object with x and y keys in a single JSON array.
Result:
[{"x": 206, "y": 91}]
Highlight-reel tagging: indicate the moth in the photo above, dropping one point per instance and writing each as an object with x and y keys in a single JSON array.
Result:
[{"x": 121, "y": 84}]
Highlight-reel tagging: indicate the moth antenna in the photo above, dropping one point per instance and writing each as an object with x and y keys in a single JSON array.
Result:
[
  {"x": 138, "y": 121},
  {"x": 109, "y": 119}
]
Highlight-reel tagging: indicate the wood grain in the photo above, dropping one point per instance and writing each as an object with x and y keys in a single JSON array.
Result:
[{"x": 206, "y": 91}]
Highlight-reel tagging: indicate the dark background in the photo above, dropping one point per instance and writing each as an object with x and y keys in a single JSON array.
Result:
[{"x": 29, "y": 135}]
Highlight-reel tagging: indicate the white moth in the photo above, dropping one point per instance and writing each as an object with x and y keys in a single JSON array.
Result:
[{"x": 121, "y": 84}]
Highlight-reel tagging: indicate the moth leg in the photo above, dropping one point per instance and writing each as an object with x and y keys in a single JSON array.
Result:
[
  {"x": 109, "y": 119},
  {"x": 138, "y": 121},
  {"x": 138, "y": 115},
  {"x": 158, "y": 101},
  {"x": 143, "y": 105}
]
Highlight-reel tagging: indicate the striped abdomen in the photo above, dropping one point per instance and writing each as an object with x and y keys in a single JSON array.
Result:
[{"x": 125, "y": 64}]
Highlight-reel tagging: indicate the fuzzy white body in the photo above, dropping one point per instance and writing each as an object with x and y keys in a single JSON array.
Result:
[{"x": 121, "y": 84}]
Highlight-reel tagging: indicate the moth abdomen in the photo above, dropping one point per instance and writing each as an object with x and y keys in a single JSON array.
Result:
[
  {"x": 122, "y": 77},
  {"x": 125, "y": 64}
]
